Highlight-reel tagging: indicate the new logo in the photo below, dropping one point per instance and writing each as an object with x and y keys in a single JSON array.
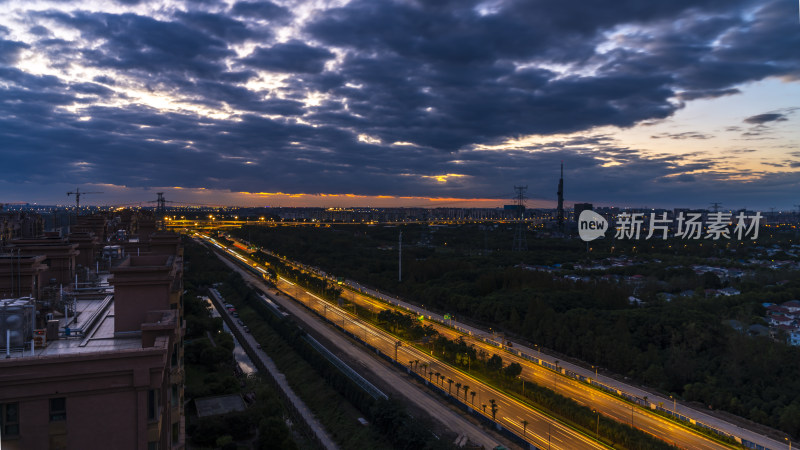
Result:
[{"x": 591, "y": 225}]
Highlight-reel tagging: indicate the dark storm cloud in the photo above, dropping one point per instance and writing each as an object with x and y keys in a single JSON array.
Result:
[
  {"x": 445, "y": 76},
  {"x": 39, "y": 30},
  {"x": 707, "y": 93},
  {"x": 442, "y": 76},
  {"x": 290, "y": 57},
  {"x": 262, "y": 10},
  {"x": 761, "y": 119},
  {"x": 682, "y": 178},
  {"x": 143, "y": 44},
  {"x": 220, "y": 26},
  {"x": 9, "y": 51}
]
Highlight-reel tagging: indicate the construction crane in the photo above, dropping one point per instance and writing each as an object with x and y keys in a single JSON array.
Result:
[{"x": 78, "y": 194}]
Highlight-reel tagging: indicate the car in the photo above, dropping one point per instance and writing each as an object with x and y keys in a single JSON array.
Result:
[
  {"x": 235, "y": 314},
  {"x": 258, "y": 345},
  {"x": 241, "y": 323}
]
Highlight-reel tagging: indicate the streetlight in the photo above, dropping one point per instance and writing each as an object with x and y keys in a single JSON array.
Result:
[
  {"x": 790, "y": 442},
  {"x": 597, "y": 430},
  {"x": 673, "y": 405}
]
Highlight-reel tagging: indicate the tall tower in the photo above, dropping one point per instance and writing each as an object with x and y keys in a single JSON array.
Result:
[
  {"x": 560, "y": 213},
  {"x": 520, "y": 242}
]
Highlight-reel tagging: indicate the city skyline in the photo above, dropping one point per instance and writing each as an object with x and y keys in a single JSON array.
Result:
[{"x": 381, "y": 103}]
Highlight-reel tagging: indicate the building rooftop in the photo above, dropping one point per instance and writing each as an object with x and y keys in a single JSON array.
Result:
[
  {"x": 93, "y": 332},
  {"x": 99, "y": 337},
  {"x": 221, "y": 404}
]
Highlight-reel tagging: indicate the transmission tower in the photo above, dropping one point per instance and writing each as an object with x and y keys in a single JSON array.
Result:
[
  {"x": 161, "y": 203},
  {"x": 520, "y": 243},
  {"x": 715, "y": 206}
]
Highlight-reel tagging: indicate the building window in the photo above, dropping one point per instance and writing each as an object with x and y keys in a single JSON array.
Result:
[
  {"x": 153, "y": 404},
  {"x": 58, "y": 409},
  {"x": 9, "y": 419},
  {"x": 176, "y": 432},
  {"x": 175, "y": 397}
]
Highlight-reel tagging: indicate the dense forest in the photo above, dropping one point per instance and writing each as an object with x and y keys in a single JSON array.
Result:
[
  {"x": 682, "y": 347},
  {"x": 210, "y": 371}
]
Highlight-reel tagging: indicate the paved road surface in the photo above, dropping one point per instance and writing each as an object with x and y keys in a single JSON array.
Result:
[{"x": 401, "y": 383}]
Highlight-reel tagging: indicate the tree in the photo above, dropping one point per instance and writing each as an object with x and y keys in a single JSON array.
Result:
[
  {"x": 473, "y": 397},
  {"x": 466, "y": 389},
  {"x": 458, "y": 389},
  {"x": 524, "y": 426},
  {"x": 513, "y": 370},
  {"x": 495, "y": 363},
  {"x": 449, "y": 385},
  {"x": 494, "y": 409}
]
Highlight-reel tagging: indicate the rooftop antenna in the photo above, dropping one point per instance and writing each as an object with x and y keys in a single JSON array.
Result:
[{"x": 77, "y": 193}]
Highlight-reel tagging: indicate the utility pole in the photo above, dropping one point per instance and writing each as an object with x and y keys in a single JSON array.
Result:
[
  {"x": 400, "y": 257},
  {"x": 520, "y": 243}
]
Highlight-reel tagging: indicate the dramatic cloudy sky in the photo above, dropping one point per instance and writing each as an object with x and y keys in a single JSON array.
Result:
[{"x": 404, "y": 102}]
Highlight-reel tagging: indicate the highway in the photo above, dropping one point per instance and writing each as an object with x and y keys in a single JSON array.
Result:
[
  {"x": 540, "y": 430},
  {"x": 470, "y": 333},
  {"x": 400, "y": 382},
  {"x": 537, "y": 428},
  {"x": 598, "y": 400},
  {"x": 511, "y": 413}
]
